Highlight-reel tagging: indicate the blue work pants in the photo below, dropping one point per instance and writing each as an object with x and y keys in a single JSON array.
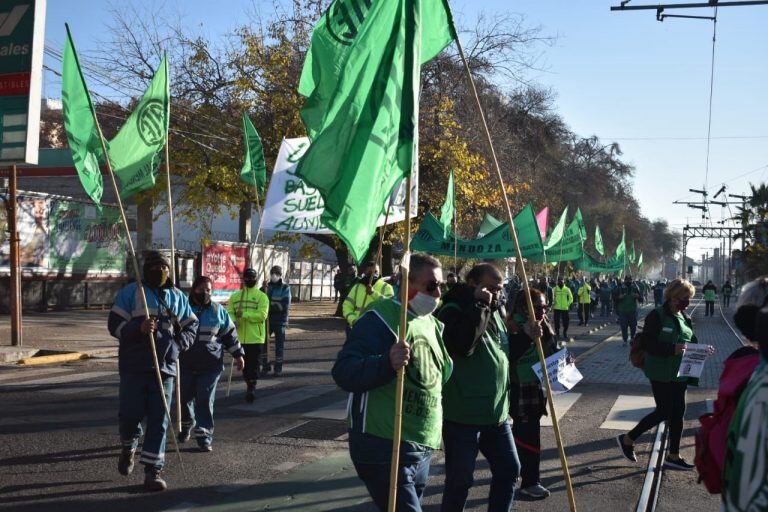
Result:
[{"x": 198, "y": 393}]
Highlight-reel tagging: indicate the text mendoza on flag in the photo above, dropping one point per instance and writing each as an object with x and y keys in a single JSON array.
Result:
[
  {"x": 254, "y": 170},
  {"x": 136, "y": 150},
  {"x": 361, "y": 78},
  {"x": 80, "y": 123}
]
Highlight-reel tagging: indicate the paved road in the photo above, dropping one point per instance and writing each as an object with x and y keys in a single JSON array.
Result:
[{"x": 287, "y": 450}]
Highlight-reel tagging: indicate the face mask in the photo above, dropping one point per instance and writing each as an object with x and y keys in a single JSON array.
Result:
[
  {"x": 250, "y": 283},
  {"x": 274, "y": 278},
  {"x": 156, "y": 278},
  {"x": 682, "y": 305},
  {"x": 422, "y": 304},
  {"x": 201, "y": 297}
]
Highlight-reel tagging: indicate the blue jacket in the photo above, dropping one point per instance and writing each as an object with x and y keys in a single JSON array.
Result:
[
  {"x": 125, "y": 320},
  {"x": 362, "y": 365},
  {"x": 215, "y": 333},
  {"x": 279, "y": 302}
]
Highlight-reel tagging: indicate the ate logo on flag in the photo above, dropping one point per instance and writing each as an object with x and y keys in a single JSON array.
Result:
[
  {"x": 344, "y": 18},
  {"x": 421, "y": 373},
  {"x": 151, "y": 123}
]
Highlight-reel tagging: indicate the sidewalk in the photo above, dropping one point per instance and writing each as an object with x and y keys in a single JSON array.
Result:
[{"x": 85, "y": 331}]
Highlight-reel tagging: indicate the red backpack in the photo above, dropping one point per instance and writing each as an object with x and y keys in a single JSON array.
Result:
[{"x": 711, "y": 438}]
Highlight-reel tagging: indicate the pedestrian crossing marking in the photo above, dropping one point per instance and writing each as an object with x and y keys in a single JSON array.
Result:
[
  {"x": 61, "y": 379},
  {"x": 627, "y": 411},
  {"x": 286, "y": 398},
  {"x": 334, "y": 411},
  {"x": 563, "y": 403}
]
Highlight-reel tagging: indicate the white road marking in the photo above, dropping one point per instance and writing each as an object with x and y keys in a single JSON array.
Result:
[
  {"x": 334, "y": 411},
  {"x": 63, "y": 379},
  {"x": 286, "y": 398},
  {"x": 627, "y": 411},
  {"x": 563, "y": 403}
]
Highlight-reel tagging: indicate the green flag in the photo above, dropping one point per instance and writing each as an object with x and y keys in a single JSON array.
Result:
[
  {"x": 621, "y": 249},
  {"x": 361, "y": 78},
  {"x": 640, "y": 261},
  {"x": 557, "y": 232},
  {"x": 599, "y": 241},
  {"x": 489, "y": 224},
  {"x": 571, "y": 246},
  {"x": 80, "y": 123},
  {"x": 631, "y": 255},
  {"x": 254, "y": 171},
  {"x": 448, "y": 210},
  {"x": 136, "y": 150}
]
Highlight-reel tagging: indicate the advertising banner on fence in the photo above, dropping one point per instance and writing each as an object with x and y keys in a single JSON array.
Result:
[
  {"x": 295, "y": 207},
  {"x": 224, "y": 263},
  {"x": 66, "y": 237}
]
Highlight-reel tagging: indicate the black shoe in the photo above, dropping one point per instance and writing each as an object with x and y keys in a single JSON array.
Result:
[
  {"x": 152, "y": 480},
  {"x": 205, "y": 447},
  {"x": 627, "y": 451},
  {"x": 250, "y": 396},
  {"x": 125, "y": 462},
  {"x": 679, "y": 463},
  {"x": 184, "y": 435}
]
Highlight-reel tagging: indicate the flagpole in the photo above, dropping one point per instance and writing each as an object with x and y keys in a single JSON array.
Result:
[
  {"x": 400, "y": 378},
  {"x": 173, "y": 266},
  {"x": 139, "y": 285},
  {"x": 260, "y": 211},
  {"x": 526, "y": 287}
]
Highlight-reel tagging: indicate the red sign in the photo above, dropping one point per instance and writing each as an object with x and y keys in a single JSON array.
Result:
[
  {"x": 224, "y": 263},
  {"x": 14, "y": 84}
]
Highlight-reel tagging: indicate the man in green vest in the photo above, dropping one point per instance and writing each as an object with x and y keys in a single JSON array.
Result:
[
  {"x": 563, "y": 298},
  {"x": 366, "y": 367},
  {"x": 368, "y": 289},
  {"x": 710, "y": 297},
  {"x": 727, "y": 292},
  {"x": 626, "y": 298},
  {"x": 585, "y": 301},
  {"x": 476, "y": 398}
]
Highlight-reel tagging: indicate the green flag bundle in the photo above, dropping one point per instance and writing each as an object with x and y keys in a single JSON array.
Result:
[
  {"x": 621, "y": 249},
  {"x": 557, "y": 232},
  {"x": 599, "y": 247},
  {"x": 136, "y": 150},
  {"x": 361, "y": 78},
  {"x": 448, "y": 210},
  {"x": 640, "y": 261},
  {"x": 80, "y": 123},
  {"x": 254, "y": 170}
]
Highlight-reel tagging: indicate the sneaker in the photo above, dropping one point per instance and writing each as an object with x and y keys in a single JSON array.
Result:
[
  {"x": 125, "y": 462},
  {"x": 205, "y": 447},
  {"x": 250, "y": 396},
  {"x": 537, "y": 491},
  {"x": 152, "y": 480},
  {"x": 184, "y": 435},
  {"x": 679, "y": 463},
  {"x": 627, "y": 451}
]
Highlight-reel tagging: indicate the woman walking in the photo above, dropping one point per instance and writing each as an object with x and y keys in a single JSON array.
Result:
[
  {"x": 527, "y": 402},
  {"x": 666, "y": 335},
  {"x": 202, "y": 364}
]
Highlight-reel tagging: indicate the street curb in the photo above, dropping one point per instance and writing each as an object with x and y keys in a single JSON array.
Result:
[{"x": 53, "y": 358}]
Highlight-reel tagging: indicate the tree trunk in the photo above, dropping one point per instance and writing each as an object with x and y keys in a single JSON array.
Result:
[{"x": 144, "y": 225}]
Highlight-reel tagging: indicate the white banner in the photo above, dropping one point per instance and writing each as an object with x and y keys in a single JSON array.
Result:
[
  {"x": 295, "y": 207},
  {"x": 562, "y": 374}
]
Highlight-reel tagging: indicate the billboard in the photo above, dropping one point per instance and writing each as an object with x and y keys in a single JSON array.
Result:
[{"x": 22, "y": 29}]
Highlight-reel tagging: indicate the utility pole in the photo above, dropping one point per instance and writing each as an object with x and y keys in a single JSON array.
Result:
[{"x": 15, "y": 263}]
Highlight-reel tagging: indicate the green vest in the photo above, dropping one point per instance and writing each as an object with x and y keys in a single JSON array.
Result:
[
  {"x": 563, "y": 298},
  {"x": 674, "y": 329},
  {"x": 710, "y": 295},
  {"x": 525, "y": 374},
  {"x": 429, "y": 368},
  {"x": 478, "y": 391},
  {"x": 628, "y": 304},
  {"x": 727, "y": 290}
]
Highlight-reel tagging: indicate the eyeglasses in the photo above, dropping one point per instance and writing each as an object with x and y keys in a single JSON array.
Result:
[{"x": 432, "y": 286}]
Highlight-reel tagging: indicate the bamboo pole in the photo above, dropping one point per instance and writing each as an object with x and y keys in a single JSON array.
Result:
[
  {"x": 139, "y": 284},
  {"x": 260, "y": 211},
  {"x": 400, "y": 378},
  {"x": 173, "y": 266},
  {"x": 526, "y": 287}
]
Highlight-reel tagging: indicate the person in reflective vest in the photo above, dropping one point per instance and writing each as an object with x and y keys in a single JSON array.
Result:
[
  {"x": 174, "y": 327},
  {"x": 202, "y": 364},
  {"x": 710, "y": 297},
  {"x": 250, "y": 306},
  {"x": 727, "y": 293},
  {"x": 368, "y": 288},
  {"x": 366, "y": 367},
  {"x": 279, "y": 305}
]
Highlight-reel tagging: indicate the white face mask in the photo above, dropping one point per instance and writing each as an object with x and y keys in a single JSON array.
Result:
[
  {"x": 423, "y": 304},
  {"x": 274, "y": 278}
]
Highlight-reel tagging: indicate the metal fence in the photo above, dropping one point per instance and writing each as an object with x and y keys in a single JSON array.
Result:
[{"x": 311, "y": 280}]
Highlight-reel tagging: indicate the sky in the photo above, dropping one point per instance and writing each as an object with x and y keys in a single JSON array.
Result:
[{"x": 622, "y": 76}]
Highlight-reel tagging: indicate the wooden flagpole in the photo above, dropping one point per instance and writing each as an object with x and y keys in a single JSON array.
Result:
[
  {"x": 400, "y": 378},
  {"x": 173, "y": 266},
  {"x": 140, "y": 286},
  {"x": 526, "y": 287},
  {"x": 455, "y": 233}
]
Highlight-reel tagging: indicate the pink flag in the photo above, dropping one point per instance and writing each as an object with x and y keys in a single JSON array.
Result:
[{"x": 541, "y": 221}]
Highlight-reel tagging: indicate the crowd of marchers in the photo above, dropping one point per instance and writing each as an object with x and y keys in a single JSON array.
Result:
[{"x": 469, "y": 384}]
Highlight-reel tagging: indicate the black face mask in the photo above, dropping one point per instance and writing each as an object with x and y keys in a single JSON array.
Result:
[
  {"x": 202, "y": 298},
  {"x": 156, "y": 278},
  {"x": 250, "y": 283}
]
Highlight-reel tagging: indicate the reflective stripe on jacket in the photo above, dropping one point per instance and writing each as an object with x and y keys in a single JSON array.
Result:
[
  {"x": 357, "y": 299},
  {"x": 249, "y": 307}
]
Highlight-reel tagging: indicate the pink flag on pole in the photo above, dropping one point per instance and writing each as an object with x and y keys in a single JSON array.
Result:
[{"x": 541, "y": 221}]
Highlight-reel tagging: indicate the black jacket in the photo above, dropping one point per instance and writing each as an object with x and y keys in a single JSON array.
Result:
[{"x": 464, "y": 329}]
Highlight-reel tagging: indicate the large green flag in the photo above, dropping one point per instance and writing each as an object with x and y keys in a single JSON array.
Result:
[
  {"x": 488, "y": 224},
  {"x": 557, "y": 232},
  {"x": 361, "y": 78},
  {"x": 571, "y": 246},
  {"x": 80, "y": 123},
  {"x": 621, "y": 249},
  {"x": 599, "y": 247},
  {"x": 448, "y": 210},
  {"x": 640, "y": 261},
  {"x": 254, "y": 171},
  {"x": 632, "y": 256},
  {"x": 136, "y": 150}
]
